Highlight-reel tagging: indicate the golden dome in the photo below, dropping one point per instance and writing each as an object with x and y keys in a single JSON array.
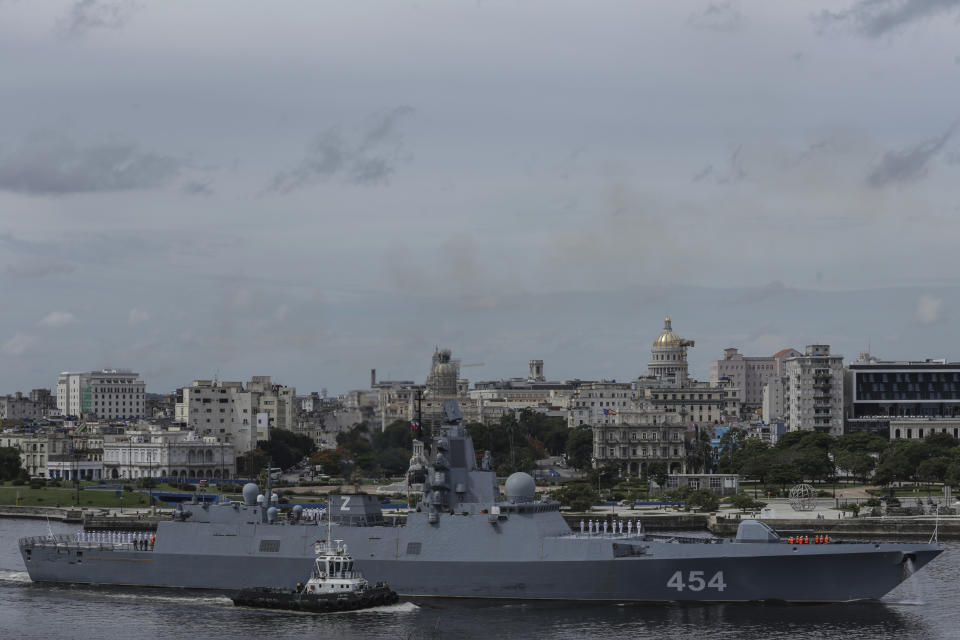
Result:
[{"x": 667, "y": 337}]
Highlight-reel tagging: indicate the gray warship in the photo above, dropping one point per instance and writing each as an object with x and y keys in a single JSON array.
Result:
[{"x": 466, "y": 540}]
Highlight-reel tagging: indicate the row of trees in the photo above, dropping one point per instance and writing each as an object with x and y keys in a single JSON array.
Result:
[{"x": 815, "y": 456}]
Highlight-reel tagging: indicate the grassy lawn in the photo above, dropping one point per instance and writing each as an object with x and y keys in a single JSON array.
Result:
[
  {"x": 66, "y": 496},
  {"x": 51, "y": 496}
]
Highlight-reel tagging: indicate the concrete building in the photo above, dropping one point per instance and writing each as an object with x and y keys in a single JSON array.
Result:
[
  {"x": 222, "y": 410},
  {"x": 601, "y": 403},
  {"x": 19, "y": 407},
  {"x": 278, "y": 401},
  {"x": 880, "y": 391},
  {"x": 695, "y": 402},
  {"x": 44, "y": 398},
  {"x": 749, "y": 374},
  {"x": 108, "y": 394},
  {"x": 642, "y": 436},
  {"x": 147, "y": 453},
  {"x": 772, "y": 408},
  {"x": 814, "y": 391}
]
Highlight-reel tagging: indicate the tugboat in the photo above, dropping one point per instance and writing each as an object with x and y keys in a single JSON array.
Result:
[{"x": 334, "y": 585}]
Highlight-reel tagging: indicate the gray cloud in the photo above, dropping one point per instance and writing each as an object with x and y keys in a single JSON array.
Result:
[
  {"x": 929, "y": 310},
  {"x": 716, "y": 16},
  {"x": 87, "y": 15},
  {"x": 907, "y": 165},
  {"x": 196, "y": 188},
  {"x": 731, "y": 174},
  {"x": 874, "y": 18},
  {"x": 772, "y": 289},
  {"x": 49, "y": 163},
  {"x": 36, "y": 269},
  {"x": 369, "y": 161}
]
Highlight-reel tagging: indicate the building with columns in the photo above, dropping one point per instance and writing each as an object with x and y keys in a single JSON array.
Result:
[{"x": 153, "y": 453}]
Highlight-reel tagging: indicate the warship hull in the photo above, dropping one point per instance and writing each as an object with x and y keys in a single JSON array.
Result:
[{"x": 566, "y": 567}]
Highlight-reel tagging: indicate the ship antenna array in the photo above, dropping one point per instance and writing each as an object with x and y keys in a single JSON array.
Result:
[
  {"x": 329, "y": 522},
  {"x": 934, "y": 537}
]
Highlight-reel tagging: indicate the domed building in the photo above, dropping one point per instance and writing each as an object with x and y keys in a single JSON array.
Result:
[
  {"x": 668, "y": 356},
  {"x": 652, "y": 421}
]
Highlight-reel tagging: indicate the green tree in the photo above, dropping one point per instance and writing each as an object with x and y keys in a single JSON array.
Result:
[
  {"x": 858, "y": 463},
  {"x": 657, "y": 471},
  {"x": 743, "y": 502},
  {"x": 9, "y": 463},
  {"x": 702, "y": 500},
  {"x": 329, "y": 461},
  {"x": 286, "y": 448},
  {"x": 699, "y": 458},
  {"x": 579, "y": 496},
  {"x": 934, "y": 469},
  {"x": 252, "y": 463},
  {"x": 580, "y": 447}
]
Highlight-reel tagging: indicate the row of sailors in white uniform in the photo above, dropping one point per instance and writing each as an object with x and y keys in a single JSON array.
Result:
[
  {"x": 593, "y": 528},
  {"x": 115, "y": 537},
  {"x": 312, "y": 514}
]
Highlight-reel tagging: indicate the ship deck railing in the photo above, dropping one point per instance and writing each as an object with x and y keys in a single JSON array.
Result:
[
  {"x": 645, "y": 537},
  {"x": 67, "y": 543}
]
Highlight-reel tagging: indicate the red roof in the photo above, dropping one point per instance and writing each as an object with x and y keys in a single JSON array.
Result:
[{"x": 783, "y": 352}]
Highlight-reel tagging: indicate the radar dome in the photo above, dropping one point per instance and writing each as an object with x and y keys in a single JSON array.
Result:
[
  {"x": 297, "y": 511},
  {"x": 250, "y": 492},
  {"x": 272, "y": 514},
  {"x": 520, "y": 487}
]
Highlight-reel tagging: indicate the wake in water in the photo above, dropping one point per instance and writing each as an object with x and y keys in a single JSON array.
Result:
[
  {"x": 9, "y": 575},
  {"x": 910, "y": 592}
]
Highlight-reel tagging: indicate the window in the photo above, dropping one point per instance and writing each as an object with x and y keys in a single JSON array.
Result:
[{"x": 413, "y": 548}]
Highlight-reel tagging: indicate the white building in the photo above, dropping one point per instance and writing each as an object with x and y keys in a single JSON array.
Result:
[
  {"x": 167, "y": 454},
  {"x": 108, "y": 394},
  {"x": 814, "y": 391}
]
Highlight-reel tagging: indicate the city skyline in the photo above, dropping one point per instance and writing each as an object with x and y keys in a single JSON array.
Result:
[{"x": 314, "y": 191}]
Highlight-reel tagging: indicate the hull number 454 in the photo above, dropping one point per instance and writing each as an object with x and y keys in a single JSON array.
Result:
[{"x": 696, "y": 581}]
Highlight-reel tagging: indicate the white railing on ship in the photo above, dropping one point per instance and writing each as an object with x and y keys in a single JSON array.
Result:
[{"x": 66, "y": 542}]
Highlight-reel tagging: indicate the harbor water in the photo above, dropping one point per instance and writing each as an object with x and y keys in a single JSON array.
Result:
[{"x": 926, "y": 606}]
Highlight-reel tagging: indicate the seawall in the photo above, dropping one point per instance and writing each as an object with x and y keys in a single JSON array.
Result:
[{"x": 42, "y": 513}]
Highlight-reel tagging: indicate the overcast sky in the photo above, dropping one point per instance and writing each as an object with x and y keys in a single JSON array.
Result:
[{"x": 310, "y": 189}]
